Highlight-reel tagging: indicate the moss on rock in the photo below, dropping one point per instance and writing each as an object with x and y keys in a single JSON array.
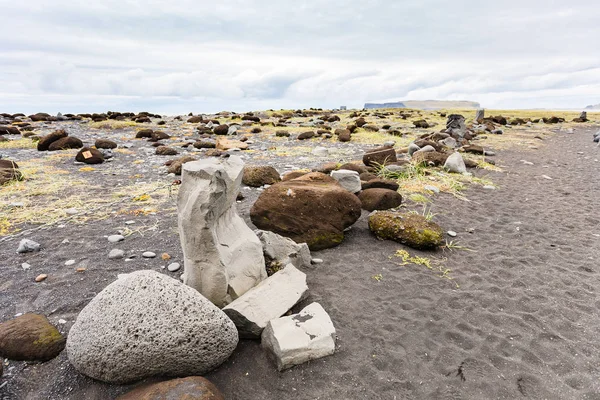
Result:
[{"x": 410, "y": 229}]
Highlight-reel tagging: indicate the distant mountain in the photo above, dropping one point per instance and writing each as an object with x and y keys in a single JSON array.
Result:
[
  {"x": 426, "y": 104},
  {"x": 593, "y": 107}
]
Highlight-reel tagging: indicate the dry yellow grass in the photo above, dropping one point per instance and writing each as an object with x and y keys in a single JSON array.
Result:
[{"x": 23, "y": 143}]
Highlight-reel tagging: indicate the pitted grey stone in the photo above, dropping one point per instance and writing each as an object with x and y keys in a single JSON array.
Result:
[{"x": 146, "y": 324}]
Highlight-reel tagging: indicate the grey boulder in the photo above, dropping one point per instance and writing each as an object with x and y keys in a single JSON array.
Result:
[
  {"x": 349, "y": 180},
  {"x": 284, "y": 251},
  {"x": 146, "y": 324},
  {"x": 455, "y": 163},
  {"x": 28, "y": 246}
]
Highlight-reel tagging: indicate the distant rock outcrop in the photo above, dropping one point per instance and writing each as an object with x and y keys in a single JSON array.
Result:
[
  {"x": 593, "y": 107},
  {"x": 426, "y": 104}
]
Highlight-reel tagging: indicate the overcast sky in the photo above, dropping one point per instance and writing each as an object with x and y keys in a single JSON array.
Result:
[{"x": 179, "y": 56}]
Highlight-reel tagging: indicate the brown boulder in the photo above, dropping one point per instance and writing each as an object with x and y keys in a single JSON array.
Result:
[
  {"x": 175, "y": 166},
  {"x": 89, "y": 155},
  {"x": 379, "y": 199},
  {"x": 189, "y": 388},
  {"x": 306, "y": 135},
  {"x": 9, "y": 130},
  {"x": 221, "y": 129},
  {"x": 473, "y": 149},
  {"x": 378, "y": 183},
  {"x": 434, "y": 158},
  {"x": 155, "y": 136},
  {"x": 144, "y": 133},
  {"x": 69, "y": 142},
  {"x": 360, "y": 122},
  {"x": 293, "y": 175},
  {"x": 9, "y": 171},
  {"x": 257, "y": 176},
  {"x": 380, "y": 155},
  {"x": 353, "y": 167},
  {"x": 47, "y": 140},
  {"x": 195, "y": 120},
  {"x": 204, "y": 144},
  {"x": 312, "y": 209},
  {"x": 367, "y": 176},
  {"x": 410, "y": 229},
  {"x": 30, "y": 337},
  {"x": 105, "y": 144},
  {"x": 421, "y": 123},
  {"x": 345, "y": 136},
  {"x": 282, "y": 134}
]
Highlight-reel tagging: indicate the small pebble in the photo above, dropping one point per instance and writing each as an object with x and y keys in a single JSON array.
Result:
[
  {"x": 62, "y": 321},
  {"x": 80, "y": 269},
  {"x": 316, "y": 261},
  {"x": 116, "y": 238},
  {"x": 116, "y": 254},
  {"x": 69, "y": 263},
  {"x": 451, "y": 233},
  {"x": 40, "y": 277},
  {"x": 489, "y": 187},
  {"x": 173, "y": 267},
  {"x": 431, "y": 188},
  {"x": 129, "y": 222},
  {"x": 71, "y": 211},
  {"x": 25, "y": 266},
  {"x": 148, "y": 254},
  {"x": 546, "y": 177}
]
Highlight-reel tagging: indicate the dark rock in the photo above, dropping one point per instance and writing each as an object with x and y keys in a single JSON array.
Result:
[
  {"x": 379, "y": 199},
  {"x": 9, "y": 130},
  {"x": 165, "y": 151},
  {"x": 421, "y": 123},
  {"x": 378, "y": 183},
  {"x": 367, "y": 176},
  {"x": 353, "y": 167},
  {"x": 473, "y": 149},
  {"x": 105, "y": 144},
  {"x": 41, "y": 117},
  {"x": 293, "y": 175},
  {"x": 221, "y": 129},
  {"x": 306, "y": 135},
  {"x": 46, "y": 141},
  {"x": 312, "y": 209},
  {"x": 144, "y": 133},
  {"x": 257, "y": 176},
  {"x": 360, "y": 122},
  {"x": 30, "y": 337},
  {"x": 69, "y": 142},
  {"x": 9, "y": 171},
  {"x": 189, "y": 388},
  {"x": 205, "y": 144},
  {"x": 379, "y": 156},
  {"x": 430, "y": 158},
  {"x": 344, "y": 136},
  {"x": 89, "y": 155},
  {"x": 175, "y": 165},
  {"x": 195, "y": 120},
  {"x": 282, "y": 134},
  {"x": 155, "y": 136}
]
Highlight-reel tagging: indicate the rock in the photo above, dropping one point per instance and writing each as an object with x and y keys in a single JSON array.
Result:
[
  {"x": 582, "y": 117},
  {"x": 205, "y": 144},
  {"x": 455, "y": 125},
  {"x": 344, "y": 136},
  {"x": 272, "y": 298},
  {"x": 9, "y": 171},
  {"x": 349, "y": 180},
  {"x": 45, "y": 142},
  {"x": 429, "y": 158},
  {"x": 30, "y": 337},
  {"x": 148, "y": 254},
  {"x": 225, "y": 144},
  {"x": 282, "y": 134},
  {"x": 116, "y": 254},
  {"x": 116, "y": 238},
  {"x": 451, "y": 233},
  {"x": 173, "y": 267},
  {"x": 424, "y": 149},
  {"x": 9, "y": 130},
  {"x": 28, "y": 246},
  {"x": 320, "y": 152},
  {"x": 410, "y": 229},
  {"x": 189, "y": 388},
  {"x": 41, "y": 277},
  {"x": 378, "y": 183},
  {"x": 222, "y": 129},
  {"x": 105, "y": 144},
  {"x": 89, "y": 155},
  {"x": 257, "y": 176},
  {"x": 195, "y": 120},
  {"x": 175, "y": 167},
  {"x": 480, "y": 115},
  {"x": 306, "y": 135},
  {"x": 380, "y": 156},
  {"x": 473, "y": 149},
  {"x": 69, "y": 142},
  {"x": 165, "y": 151},
  {"x": 312, "y": 209},
  {"x": 280, "y": 251},
  {"x": 421, "y": 123},
  {"x": 68, "y": 263},
  {"x": 299, "y": 338},
  {"x": 449, "y": 142},
  {"x": 432, "y": 188},
  {"x": 455, "y": 163},
  {"x": 144, "y": 133},
  {"x": 413, "y": 148},
  {"x": 379, "y": 199},
  {"x": 145, "y": 324},
  {"x": 223, "y": 258}
]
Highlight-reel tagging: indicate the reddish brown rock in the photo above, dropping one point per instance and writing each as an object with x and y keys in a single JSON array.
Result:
[
  {"x": 190, "y": 388},
  {"x": 434, "y": 158},
  {"x": 9, "y": 171},
  {"x": 47, "y": 140},
  {"x": 105, "y": 144},
  {"x": 378, "y": 183},
  {"x": 379, "y": 199},
  {"x": 89, "y": 155},
  {"x": 312, "y": 209},
  {"x": 379, "y": 156},
  {"x": 257, "y": 176},
  {"x": 30, "y": 337},
  {"x": 69, "y": 142}
]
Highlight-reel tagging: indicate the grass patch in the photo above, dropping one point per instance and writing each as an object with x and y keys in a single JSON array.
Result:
[
  {"x": 112, "y": 124},
  {"x": 23, "y": 143},
  {"x": 433, "y": 264}
]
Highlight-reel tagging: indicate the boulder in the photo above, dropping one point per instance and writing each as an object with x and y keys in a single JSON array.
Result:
[
  {"x": 225, "y": 144},
  {"x": 410, "y": 229},
  {"x": 280, "y": 251},
  {"x": 9, "y": 171},
  {"x": 455, "y": 125},
  {"x": 30, "y": 337},
  {"x": 189, "y": 388},
  {"x": 429, "y": 158},
  {"x": 413, "y": 148},
  {"x": 105, "y": 144},
  {"x": 176, "y": 165},
  {"x": 89, "y": 155},
  {"x": 379, "y": 199},
  {"x": 306, "y": 135},
  {"x": 272, "y": 298},
  {"x": 293, "y": 175},
  {"x": 298, "y": 338},
  {"x": 257, "y": 176},
  {"x": 312, "y": 209},
  {"x": 480, "y": 115},
  {"x": 380, "y": 156},
  {"x": 353, "y": 167},
  {"x": 28, "y": 246},
  {"x": 455, "y": 163},
  {"x": 378, "y": 183},
  {"x": 222, "y": 129},
  {"x": 205, "y": 144},
  {"x": 345, "y": 136},
  {"x": 421, "y": 123},
  {"x": 473, "y": 149},
  {"x": 349, "y": 180},
  {"x": 282, "y": 134},
  {"x": 69, "y": 142},
  {"x": 146, "y": 324},
  {"x": 144, "y": 133},
  {"x": 156, "y": 136},
  {"x": 9, "y": 130},
  {"x": 223, "y": 258},
  {"x": 45, "y": 142}
]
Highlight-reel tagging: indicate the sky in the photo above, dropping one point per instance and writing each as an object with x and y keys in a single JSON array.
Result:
[{"x": 181, "y": 56}]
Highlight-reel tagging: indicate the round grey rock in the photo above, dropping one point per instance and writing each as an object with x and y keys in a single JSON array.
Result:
[
  {"x": 147, "y": 324},
  {"x": 116, "y": 254},
  {"x": 148, "y": 254},
  {"x": 116, "y": 238},
  {"x": 173, "y": 267},
  {"x": 28, "y": 246}
]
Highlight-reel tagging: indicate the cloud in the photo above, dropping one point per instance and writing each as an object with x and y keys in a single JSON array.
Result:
[{"x": 254, "y": 54}]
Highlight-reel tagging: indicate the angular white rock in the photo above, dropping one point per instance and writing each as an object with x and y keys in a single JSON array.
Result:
[
  {"x": 350, "y": 180},
  {"x": 27, "y": 246},
  {"x": 455, "y": 163},
  {"x": 299, "y": 338},
  {"x": 284, "y": 250},
  {"x": 145, "y": 324},
  {"x": 271, "y": 299},
  {"x": 223, "y": 258}
]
